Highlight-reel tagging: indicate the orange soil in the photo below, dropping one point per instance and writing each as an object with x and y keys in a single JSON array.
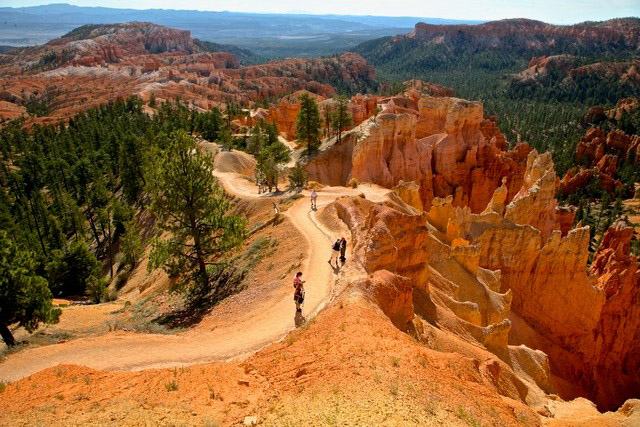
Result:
[{"x": 348, "y": 367}]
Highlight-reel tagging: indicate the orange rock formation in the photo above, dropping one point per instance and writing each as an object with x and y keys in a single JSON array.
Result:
[
  {"x": 93, "y": 65},
  {"x": 443, "y": 144},
  {"x": 599, "y": 151},
  {"x": 584, "y": 320},
  {"x": 494, "y": 259}
]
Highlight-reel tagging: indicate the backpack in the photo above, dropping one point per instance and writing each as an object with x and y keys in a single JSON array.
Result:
[{"x": 336, "y": 246}]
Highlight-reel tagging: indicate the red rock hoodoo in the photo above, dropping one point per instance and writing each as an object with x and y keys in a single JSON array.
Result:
[{"x": 493, "y": 256}]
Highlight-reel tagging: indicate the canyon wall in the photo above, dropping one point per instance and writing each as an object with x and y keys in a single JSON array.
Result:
[
  {"x": 494, "y": 258},
  {"x": 443, "y": 144},
  {"x": 586, "y": 319}
]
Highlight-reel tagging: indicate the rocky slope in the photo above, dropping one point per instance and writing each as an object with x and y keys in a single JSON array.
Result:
[
  {"x": 445, "y": 145},
  {"x": 496, "y": 44},
  {"x": 531, "y": 35},
  {"x": 609, "y": 150},
  {"x": 94, "y": 64},
  {"x": 457, "y": 161}
]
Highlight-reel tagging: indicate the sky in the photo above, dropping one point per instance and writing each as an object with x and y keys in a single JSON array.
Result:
[{"x": 553, "y": 11}]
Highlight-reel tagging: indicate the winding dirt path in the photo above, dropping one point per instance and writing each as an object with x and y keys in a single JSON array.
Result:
[{"x": 268, "y": 322}]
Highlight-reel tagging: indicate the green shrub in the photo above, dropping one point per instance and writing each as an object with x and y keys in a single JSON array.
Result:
[{"x": 97, "y": 289}]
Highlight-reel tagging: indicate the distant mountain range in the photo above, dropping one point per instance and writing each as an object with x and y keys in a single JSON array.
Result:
[
  {"x": 498, "y": 46},
  {"x": 38, "y": 24}
]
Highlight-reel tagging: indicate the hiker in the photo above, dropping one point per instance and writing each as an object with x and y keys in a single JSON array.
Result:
[
  {"x": 297, "y": 279},
  {"x": 298, "y": 294},
  {"x": 343, "y": 250},
  {"x": 336, "y": 252},
  {"x": 314, "y": 198}
]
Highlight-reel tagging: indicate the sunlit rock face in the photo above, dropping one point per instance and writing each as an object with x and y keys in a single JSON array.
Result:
[
  {"x": 493, "y": 256},
  {"x": 442, "y": 144}
]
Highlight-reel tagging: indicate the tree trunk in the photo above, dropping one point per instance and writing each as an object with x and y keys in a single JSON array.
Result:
[
  {"x": 35, "y": 220},
  {"x": 6, "y": 335},
  {"x": 93, "y": 228},
  {"x": 203, "y": 274},
  {"x": 201, "y": 264},
  {"x": 110, "y": 251},
  {"x": 308, "y": 133}
]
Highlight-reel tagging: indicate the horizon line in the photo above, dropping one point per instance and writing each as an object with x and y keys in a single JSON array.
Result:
[{"x": 302, "y": 13}]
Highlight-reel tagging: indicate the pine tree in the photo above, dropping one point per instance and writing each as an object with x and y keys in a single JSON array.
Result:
[
  {"x": 256, "y": 141},
  {"x": 326, "y": 113},
  {"x": 269, "y": 164},
  {"x": 68, "y": 271},
  {"x": 131, "y": 244},
  {"x": 25, "y": 297},
  {"x": 308, "y": 123},
  {"x": 132, "y": 161},
  {"x": 298, "y": 178},
  {"x": 152, "y": 100},
  {"x": 226, "y": 139},
  {"x": 341, "y": 118},
  {"x": 191, "y": 206}
]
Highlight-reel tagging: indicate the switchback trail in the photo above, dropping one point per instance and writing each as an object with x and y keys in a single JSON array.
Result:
[{"x": 261, "y": 325}]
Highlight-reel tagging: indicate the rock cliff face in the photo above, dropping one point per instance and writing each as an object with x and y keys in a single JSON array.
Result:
[
  {"x": 439, "y": 293},
  {"x": 589, "y": 345},
  {"x": 494, "y": 260},
  {"x": 568, "y": 70},
  {"x": 445, "y": 145},
  {"x": 535, "y": 203},
  {"x": 531, "y": 35},
  {"x": 94, "y": 64}
]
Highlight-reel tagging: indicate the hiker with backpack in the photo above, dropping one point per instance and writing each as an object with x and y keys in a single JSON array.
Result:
[
  {"x": 343, "y": 250},
  {"x": 314, "y": 199},
  {"x": 298, "y": 293},
  {"x": 336, "y": 252}
]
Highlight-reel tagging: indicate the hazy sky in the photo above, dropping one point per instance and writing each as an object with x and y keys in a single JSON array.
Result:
[{"x": 556, "y": 11}]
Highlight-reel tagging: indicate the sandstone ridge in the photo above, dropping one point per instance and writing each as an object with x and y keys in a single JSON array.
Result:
[
  {"x": 94, "y": 64},
  {"x": 493, "y": 258}
]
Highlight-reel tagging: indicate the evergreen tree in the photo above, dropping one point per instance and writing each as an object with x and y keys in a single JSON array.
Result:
[
  {"x": 308, "y": 123},
  {"x": 341, "y": 118},
  {"x": 226, "y": 139},
  {"x": 191, "y": 206},
  {"x": 68, "y": 271},
  {"x": 269, "y": 164},
  {"x": 97, "y": 289},
  {"x": 131, "y": 244},
  {"x": 298, "y": 178},
  {"x": 256, "y": 141},
  {"x": 24, "y": 296},
  {"x": 131, "y": 167},
  {"x": 210, "y": 124}
]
